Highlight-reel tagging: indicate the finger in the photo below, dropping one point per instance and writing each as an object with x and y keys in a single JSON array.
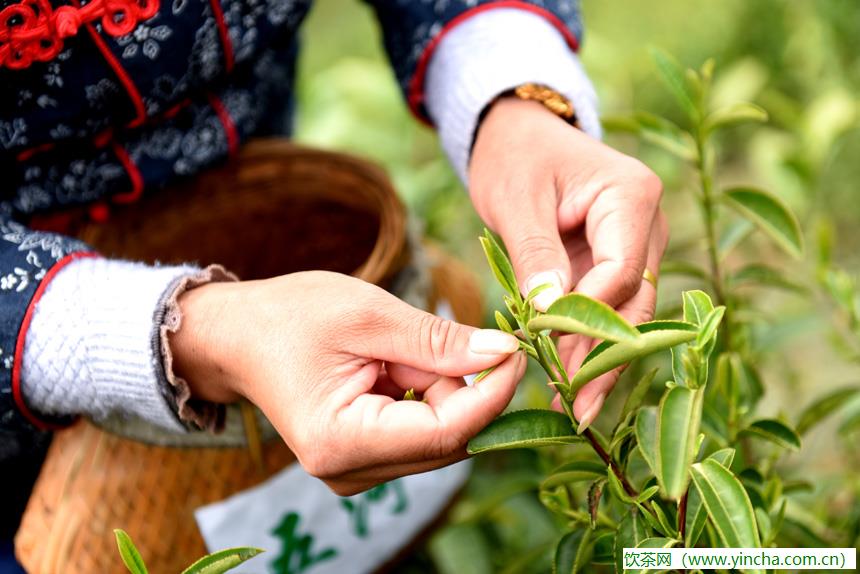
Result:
[
  {"x": 395, "y": 432},
  {"x": 618, "y": 228},
  {"x": 530, "y": 232},
  {"x": 398, "y": 333}
]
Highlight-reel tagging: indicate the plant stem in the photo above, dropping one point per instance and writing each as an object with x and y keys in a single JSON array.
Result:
[
  {"x": 607, "y": 459},
  {"x": 706, "y": 181}
]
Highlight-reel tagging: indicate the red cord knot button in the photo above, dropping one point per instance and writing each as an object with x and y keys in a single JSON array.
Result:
[
  {"x": 32, "y": 31},
  {"x": 66, "y": 21}
]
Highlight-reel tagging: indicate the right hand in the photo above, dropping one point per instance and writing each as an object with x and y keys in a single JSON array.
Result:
[{"x": 326, "y": 358}]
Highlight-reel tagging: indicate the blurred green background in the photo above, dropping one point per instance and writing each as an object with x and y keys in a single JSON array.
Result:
[{"x": 797, "y": 59}]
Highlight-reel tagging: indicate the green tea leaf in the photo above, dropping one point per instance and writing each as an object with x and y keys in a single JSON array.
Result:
[
  {"x": 672, "y": 75},
  {"x": 666, "y": 526},
  {"x": 573, "y": 552},
  {"x": 128, "y": 552},
  {"x": 697, "y": 306},
  {"x": 727, "y": 504},
  {"x": 630, "y": 533},
  {"x": 696, "y": 514},
  {"x": 619, "y": 437},
  {"x": 734, "y": 114},
  {"x": 770, "y": 215},
  {"x": 646, "y": 435},
  {"x": 824, "y": 406},
  {"x": 724, "y": 456},
  {"x": 616, "y": 488},
  {"x": 524, "y": 429},
  {"x": 647, "y": 494},
  {"x": 654, "y": 336},
  {"x": 222, "y": 561},
  {"x": 774, "y": 431},
  {"x": 500, "y": 265},
  {"x": 708, "y": 332},
  {"x": 574, "y": 471},
  {"x": 410, "y": 395},
  {"x": 503, "y": 323},
  {"x": 677, "y": 429},
  {"x": 576, "y": 313},
  {"x": 764, "y": 525},
  {"x": 637, "y": 395}
]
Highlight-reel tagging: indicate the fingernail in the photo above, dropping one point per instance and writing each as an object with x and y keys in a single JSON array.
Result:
[
  {"x": 492, "y": 342},
  {"x": 590, "y": 413},
  {"x": 546, "y": 297}
]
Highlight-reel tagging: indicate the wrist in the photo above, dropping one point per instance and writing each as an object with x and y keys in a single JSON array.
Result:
[{"x": 202, "y": 348}]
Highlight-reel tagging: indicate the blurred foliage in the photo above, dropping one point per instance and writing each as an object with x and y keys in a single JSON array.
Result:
[{"x": 797, "y": 60}]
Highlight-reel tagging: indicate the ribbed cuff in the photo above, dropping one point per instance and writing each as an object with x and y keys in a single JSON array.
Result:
[
  {"x": 491, "y": 53},
  {"x": 168, "y": 319},
  {"x": 90, "y": 349}
]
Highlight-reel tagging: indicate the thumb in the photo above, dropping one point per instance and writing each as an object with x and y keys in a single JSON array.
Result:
[
  {"x": 537, "y": 253},
  {"x": 409, "y": 336}
]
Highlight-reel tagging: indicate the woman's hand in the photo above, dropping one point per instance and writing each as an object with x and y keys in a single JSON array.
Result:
[
  {"x": 326, "y": 357},
  {"x": 572, "y": 212}
]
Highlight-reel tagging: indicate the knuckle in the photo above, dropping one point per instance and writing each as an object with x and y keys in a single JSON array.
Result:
[
  {"x": 649, "y": 183},
  {"x": 437, "y": 336},
  {"x": 533, "y": 248}
]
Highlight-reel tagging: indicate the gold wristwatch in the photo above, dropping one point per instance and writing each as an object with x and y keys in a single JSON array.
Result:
[{"x": 549, "y": 98}]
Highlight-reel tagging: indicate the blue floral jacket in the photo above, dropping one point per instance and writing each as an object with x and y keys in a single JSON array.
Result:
[{"x": 104, "y": 100}]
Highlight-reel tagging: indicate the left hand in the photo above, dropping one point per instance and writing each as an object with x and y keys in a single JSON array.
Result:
[{"x": 572, "y": 212}]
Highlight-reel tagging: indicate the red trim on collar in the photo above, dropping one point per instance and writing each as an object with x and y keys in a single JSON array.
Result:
[
  {"x": 415, "y": 96},
  {"x": 17, "y": 393}
]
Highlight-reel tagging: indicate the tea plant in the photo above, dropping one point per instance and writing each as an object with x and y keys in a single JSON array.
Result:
[
  {"x": 215, "y": 563},
  {"x": 651, "y": 511},
  {"x": 701, "y": 468}
]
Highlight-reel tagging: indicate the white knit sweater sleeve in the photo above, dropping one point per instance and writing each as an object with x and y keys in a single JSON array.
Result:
[
  {"x": 92, "y": 345},
  {"x": 491, "y": 53}
]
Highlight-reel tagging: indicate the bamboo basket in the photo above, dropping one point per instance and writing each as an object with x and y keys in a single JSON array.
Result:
[{"x": 275, "y": 209}]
